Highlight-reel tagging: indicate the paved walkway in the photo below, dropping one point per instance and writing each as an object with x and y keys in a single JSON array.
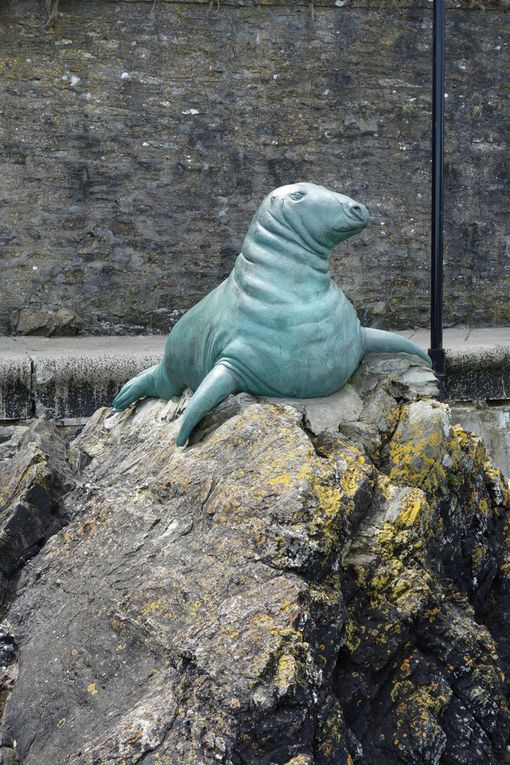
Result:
[
  {"x": 37, "y": 347},
  {"x": 463, "y": 337},
  {"x": 69, "y": 377}
]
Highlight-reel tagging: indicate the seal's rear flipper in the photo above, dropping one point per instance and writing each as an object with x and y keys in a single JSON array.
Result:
[
  {"x": 216, "y": 386},
  {"x": 379, "y": 341}
]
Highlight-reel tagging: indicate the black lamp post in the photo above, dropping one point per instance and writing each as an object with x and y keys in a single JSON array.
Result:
[{"x": 436, "y": 351}]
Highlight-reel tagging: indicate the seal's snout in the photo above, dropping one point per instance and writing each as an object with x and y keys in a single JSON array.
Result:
[{"x": 359, "y": 212}]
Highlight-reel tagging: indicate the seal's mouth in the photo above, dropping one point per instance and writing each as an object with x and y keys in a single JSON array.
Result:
[{"x": 351, "y": 227}]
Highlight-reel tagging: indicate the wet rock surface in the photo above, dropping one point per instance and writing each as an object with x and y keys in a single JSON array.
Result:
[{"x": 282, "y": 592}]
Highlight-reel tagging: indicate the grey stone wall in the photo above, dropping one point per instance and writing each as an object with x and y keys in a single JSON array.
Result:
[{"x": 138, "y": 139}]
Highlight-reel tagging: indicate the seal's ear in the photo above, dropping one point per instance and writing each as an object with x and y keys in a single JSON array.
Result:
[{"x": 273, "y": 200}]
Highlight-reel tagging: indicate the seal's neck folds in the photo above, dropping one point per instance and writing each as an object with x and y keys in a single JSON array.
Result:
[{"x": 274, "y": 255}]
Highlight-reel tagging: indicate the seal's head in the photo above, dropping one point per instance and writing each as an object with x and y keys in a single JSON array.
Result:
[{"x": 319, "y": 217}]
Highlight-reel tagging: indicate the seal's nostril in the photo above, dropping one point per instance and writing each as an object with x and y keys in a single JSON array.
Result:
[{"x": 358, "y": 211}]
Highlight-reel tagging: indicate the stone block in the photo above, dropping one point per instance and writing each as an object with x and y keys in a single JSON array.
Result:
[
  {"x": 15, "y": 377},
  {"x": 477, "y": 373},
  {"x": 75, "y": 385},
  {"x": 492, "y": 423}
]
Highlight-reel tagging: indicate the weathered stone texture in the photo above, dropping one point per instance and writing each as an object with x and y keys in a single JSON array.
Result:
[
  {"x": 75, "y": 386},
  {"x": 66, "y": 378},
  {"x": 15, "y": 383},
  {"x": 275, "y": 594},
  {"x": 30, "y": 484},
  {"x": 492, "y": 423},
  {"x": 478, "y": 373},
  {"x": 140, "y": 137}
]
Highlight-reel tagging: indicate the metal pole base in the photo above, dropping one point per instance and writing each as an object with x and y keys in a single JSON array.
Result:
[{"x": 438, "y": 360}]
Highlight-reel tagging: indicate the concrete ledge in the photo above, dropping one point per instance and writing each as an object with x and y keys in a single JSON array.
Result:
[
  {"x": 15, "y": 382},
  {"x": 70, "y": 377},
  {"x": 477, "y": 373},
  {"x": 477, "y": 362},
  {"x": 63, "y": 378}
]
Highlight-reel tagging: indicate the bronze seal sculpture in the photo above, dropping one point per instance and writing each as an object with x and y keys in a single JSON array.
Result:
[{"x": 278, "y": 325}]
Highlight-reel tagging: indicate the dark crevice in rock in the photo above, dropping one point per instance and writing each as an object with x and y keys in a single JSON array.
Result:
[
  {"x": 30, "y": 554},
  {"x": 314, "y": 439}
]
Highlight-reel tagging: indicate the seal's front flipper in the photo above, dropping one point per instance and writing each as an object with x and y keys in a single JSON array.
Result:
[
  {"x": 151, "y": 382},
  {"x": 216, "y": 386}
]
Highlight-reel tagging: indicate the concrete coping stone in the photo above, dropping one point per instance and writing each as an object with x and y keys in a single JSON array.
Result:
[{"x": 70, "y": 377}]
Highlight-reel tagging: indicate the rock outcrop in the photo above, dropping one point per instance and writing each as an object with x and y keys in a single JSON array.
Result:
[
  {"x": 34, "y": 473},
  {"x": 295, "y": 588},
  {"x": 41, "y": 321}
]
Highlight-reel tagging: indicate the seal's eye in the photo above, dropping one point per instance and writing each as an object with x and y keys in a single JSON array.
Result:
[{"x": 297, "y": 195}]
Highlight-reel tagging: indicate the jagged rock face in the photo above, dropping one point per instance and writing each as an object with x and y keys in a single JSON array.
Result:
[
  {"x": 280, "y": 593},
  {"x": 31, "y": 483}
]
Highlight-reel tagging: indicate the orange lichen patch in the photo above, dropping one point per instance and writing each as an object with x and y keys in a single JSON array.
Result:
[
  {"x": 405, "y": 667},
  {"x": 431, "y": 614},
  {"x": 354, "y": 469},
  {"x": 330, "y": 733},
  {"x": 329, "y": 497},
  {"x": 290, "y": 478},
  {"x": 231, "y": 632},
  {"x": 136, "y": 736},
  {"x": 286, "y": 672},
  {"x": 478, "y": 554},
  {"x": 421, "y": 704},
  {"x": 406, "y": 587}
]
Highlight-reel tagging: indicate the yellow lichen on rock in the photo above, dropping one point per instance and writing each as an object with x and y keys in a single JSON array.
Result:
[
  {"x": 286, "y": 673},
  {"x": 414, "y": 507},
  {"x": 415, "y": 452}
]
